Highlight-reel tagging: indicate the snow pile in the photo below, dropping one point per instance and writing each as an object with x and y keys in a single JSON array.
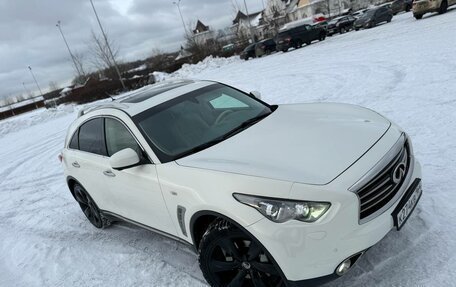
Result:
[
  {"x": 208, "y": 64},
  {"x": 404, "y": 70}
]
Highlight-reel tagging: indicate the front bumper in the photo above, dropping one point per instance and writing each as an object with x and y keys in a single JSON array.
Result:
[
  {"x": 309, "y": 253},
  {"x": 424, "y": 6}
]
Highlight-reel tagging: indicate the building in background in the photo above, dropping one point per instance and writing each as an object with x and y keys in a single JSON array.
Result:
[{"x": 202, "y": 33}]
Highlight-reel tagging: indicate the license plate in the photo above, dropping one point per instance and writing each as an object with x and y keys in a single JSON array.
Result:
[{"x": 407, "y": 204}]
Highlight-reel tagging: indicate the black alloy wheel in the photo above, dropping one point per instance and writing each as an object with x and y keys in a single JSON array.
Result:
[
  {"x": 88, "y": 206},
  {"x": 229, "y": 257}
]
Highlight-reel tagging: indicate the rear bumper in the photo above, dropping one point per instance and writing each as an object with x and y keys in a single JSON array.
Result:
[{"x": 310, "y": 253}]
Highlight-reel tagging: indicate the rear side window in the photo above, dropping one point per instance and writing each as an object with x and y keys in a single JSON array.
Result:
[
  {"x": 118, "y": 137},
  {"x": 74, "y": 143},
  {"x": 91, "y": 138}
]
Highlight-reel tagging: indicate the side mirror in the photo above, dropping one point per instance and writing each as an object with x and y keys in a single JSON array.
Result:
[
  {"x": 256, "y": 94},
  {"x": 124, "y": 159}
]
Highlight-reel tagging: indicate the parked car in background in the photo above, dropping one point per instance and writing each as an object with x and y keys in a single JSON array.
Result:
[
  {"x": 359, "y": 13},
  {"x": 340, "y": 24},
  {"x": 296, "y": 36},
  {"x": 373, "y": 17},
  {"x": 387, "y": 5},
  {"x": 401, "y": 6},
  {"x": 421, "y": 7},
  {"x": 265, "y": 47},
  {"x": 261, "y": 192},
  {"x": 248, "y": 52},
  {"x": 228, "y": 48}
]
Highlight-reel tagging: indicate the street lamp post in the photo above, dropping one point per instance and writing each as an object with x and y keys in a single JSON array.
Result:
[
  {"x": 58, "y": 25},
  {"x": 250, "y": 25},
  {"x": 36, "y": 82},
  {"x": 177, "y": 3},
  {"x": 107, "y": 44}
]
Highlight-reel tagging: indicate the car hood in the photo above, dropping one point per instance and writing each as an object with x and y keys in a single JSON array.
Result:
[{"x": 306, "y": 143}]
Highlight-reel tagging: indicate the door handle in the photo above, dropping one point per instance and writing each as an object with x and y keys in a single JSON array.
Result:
[
  {"x": 109, "y": 173},
  {"x": 76, "y": 164}
]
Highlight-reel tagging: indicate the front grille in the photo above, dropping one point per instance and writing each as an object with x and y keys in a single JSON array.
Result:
[{"x": 380, "y": 190}]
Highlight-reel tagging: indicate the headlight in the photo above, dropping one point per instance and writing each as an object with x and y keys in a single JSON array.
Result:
[{"x": 282, "y": 210}]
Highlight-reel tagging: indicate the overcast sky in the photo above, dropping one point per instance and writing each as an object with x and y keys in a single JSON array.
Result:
[{"x": 28, "y": 35}]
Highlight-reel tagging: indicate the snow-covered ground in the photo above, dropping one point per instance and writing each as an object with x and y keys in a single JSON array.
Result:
[{"x": 405, "y": 70}]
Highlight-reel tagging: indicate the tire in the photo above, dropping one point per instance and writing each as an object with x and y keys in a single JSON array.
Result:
[
  {"x": 408, "y": 8},
  {"x": 443, "y": 7},
  {"x": 89, "y": 207},
  {"x": 298, "y": 44},
  {"x": 322, "y": 37},
  {"x": 389, "y": 20},
  {"x": 341, "y": 30},
  {"x": 229, "y": 257},
  {"x": 418, "y": 16},
  {"x": 308, "y": 43}
]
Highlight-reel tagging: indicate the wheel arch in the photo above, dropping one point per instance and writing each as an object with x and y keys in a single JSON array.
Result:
[
  {"x": 71, "y": 181},
  {"x": 200, "y": 221}
]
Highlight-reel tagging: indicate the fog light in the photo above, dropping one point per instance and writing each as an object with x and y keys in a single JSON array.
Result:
[{"x": 343, "y": 267}]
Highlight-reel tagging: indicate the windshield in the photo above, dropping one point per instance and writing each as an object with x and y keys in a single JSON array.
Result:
[
  {"x": 334, "y": 21},
  {"x": 369, "y": 13},
  {"x": 197, "y": 120}
]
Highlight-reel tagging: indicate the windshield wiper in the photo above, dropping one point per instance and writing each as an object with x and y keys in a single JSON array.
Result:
[
  {"x": 229, "y": 134},
  {"x": 245, "y": 125}
]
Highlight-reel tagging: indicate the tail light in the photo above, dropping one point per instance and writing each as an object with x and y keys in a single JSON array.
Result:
[
  {"x": 288, "y": 39},
  {"x": 60, "y": 156},
  {"x": 262, "y": 47}
]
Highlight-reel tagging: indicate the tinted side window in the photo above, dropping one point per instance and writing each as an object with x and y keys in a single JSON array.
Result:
[
  {"x": 118, "y": 137},
  {"x": 91, "y": 138},
  {"x": 74, "y": 143}
]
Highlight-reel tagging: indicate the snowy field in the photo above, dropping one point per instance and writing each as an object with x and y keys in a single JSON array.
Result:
[{"x": 405, "y": 70}]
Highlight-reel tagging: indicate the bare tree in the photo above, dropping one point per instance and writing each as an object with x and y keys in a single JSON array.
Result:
[
  {"x": 79, "y": 60},
  {"x": 53, "y": 86},
  {"x": 101, "y": 58},
  {"x": 274, "y": 12}
]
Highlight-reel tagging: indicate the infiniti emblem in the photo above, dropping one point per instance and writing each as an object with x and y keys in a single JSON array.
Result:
[{"x": 398, "y": 173}]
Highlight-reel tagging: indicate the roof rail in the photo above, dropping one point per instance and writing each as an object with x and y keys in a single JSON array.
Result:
[{"x": 92, "y": 108}]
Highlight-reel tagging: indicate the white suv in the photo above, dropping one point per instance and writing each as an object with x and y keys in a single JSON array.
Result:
[{"x": 268, "y": 195}]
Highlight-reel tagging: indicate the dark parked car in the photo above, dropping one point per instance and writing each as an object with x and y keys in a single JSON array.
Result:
[
  {"x": 373, "y": 17},
  {"x": 266, "y": 46},
  {"x": 340, "y": 24},
  {"x": 249, "y": 52},
  {"x": 401, "y": 5},
  {"x": 296, "y": 36},
  {"x": 359, "y": 13}
]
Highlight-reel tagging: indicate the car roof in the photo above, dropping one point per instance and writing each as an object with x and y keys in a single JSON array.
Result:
[{"x": 149, "y": 96}]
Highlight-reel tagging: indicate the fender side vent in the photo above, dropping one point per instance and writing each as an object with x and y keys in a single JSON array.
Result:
[{"x": 181, "y": 218}]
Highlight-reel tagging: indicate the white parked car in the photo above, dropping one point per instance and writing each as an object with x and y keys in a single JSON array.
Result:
[{"x": 268, "y": 195}]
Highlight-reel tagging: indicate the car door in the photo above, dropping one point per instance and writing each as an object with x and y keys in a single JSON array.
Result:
[
  {"x": 384, "y": 14},
  {"x": 135, "y": 191},
  {"x": 86, "y": 159},
  {"x": 378, "y": 15}
]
